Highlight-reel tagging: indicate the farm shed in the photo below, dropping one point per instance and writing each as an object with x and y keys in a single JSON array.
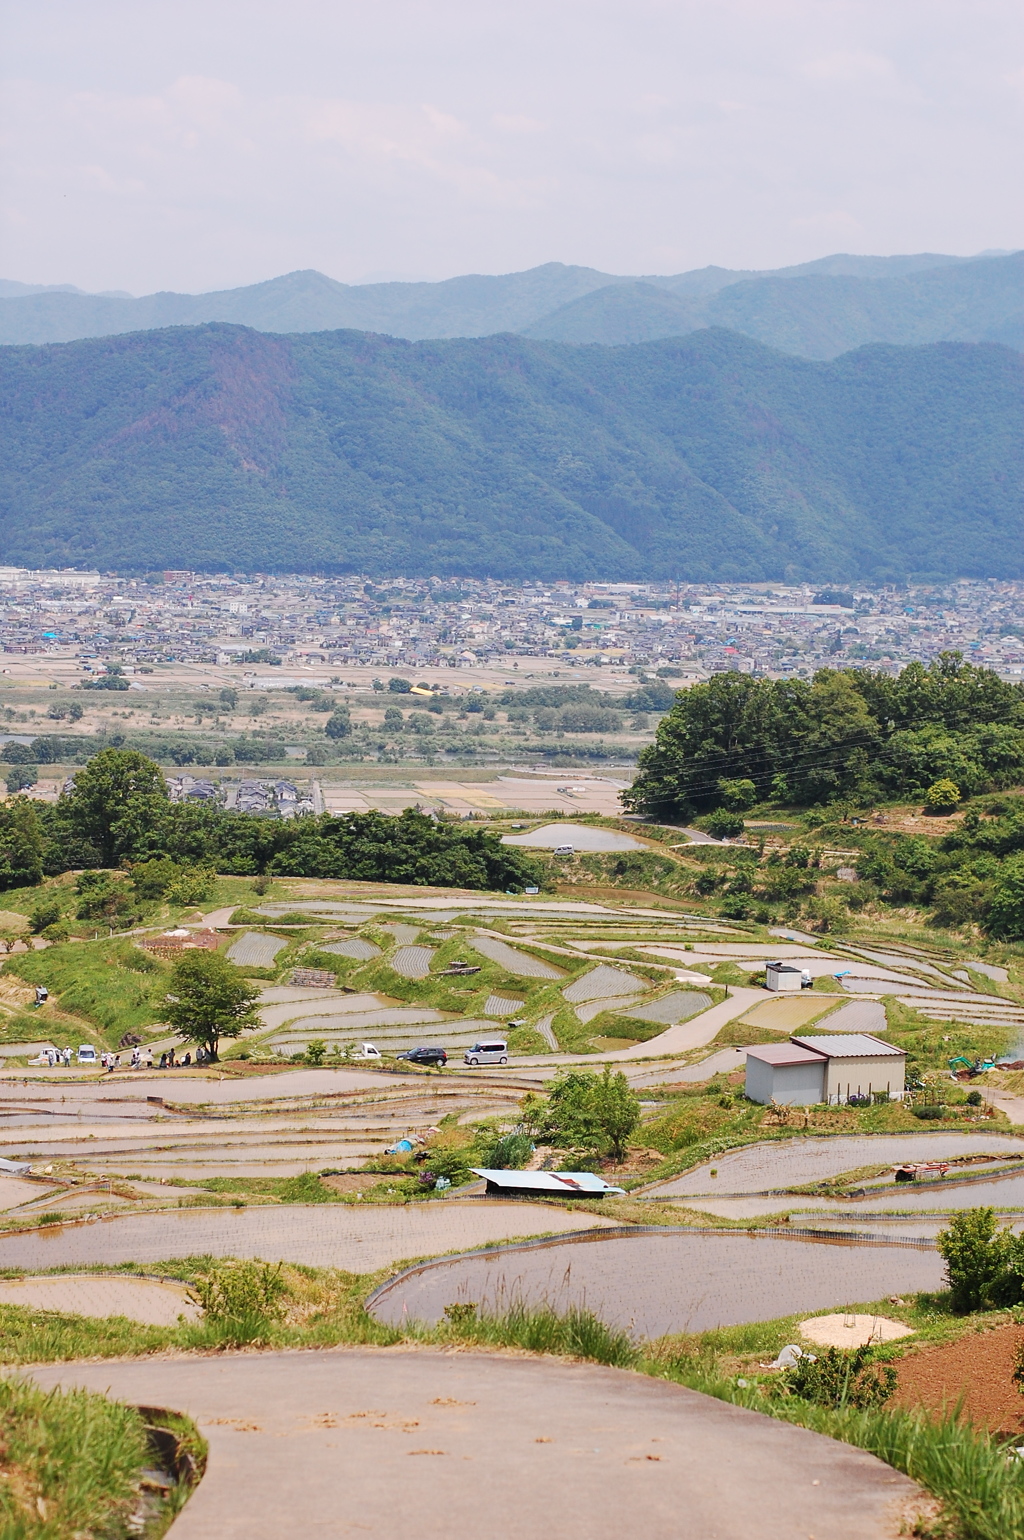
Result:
[
  {"x": 531, "y": 1184},
  {"x": 825, "y": 1067},
  {"x": 858, "y": 1064},
  {"x": 785, "y": 1072}
]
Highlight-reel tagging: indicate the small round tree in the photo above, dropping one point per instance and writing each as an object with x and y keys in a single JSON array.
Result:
[
  {"x": 942, "y": 796},
  {"x": 209, "y": 999}
]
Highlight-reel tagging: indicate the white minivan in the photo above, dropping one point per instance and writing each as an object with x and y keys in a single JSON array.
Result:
[
  {"x": 87, "y": 1054},
  {"x": 491, "y": 1051}
]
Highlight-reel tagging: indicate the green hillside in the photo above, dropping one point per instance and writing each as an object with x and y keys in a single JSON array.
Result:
[{"x": 704, "y": 457}]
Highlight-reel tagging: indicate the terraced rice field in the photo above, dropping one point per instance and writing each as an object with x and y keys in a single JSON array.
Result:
[
  {"x": 413, "y": 962},
  {"x": 357, "y": 1238},
  {"x": 678, "y": 1006},
  {"x": 140, "y": 1299},
  {"x": 519, "y": 964},
  {"x": 363, "y": 950},
  {"x": 770, "y": 1167},
  {"x": 404, "y": 935},
  {"x": 499, "y": 1005},
  {"x": 604, "y": 983},
  {"x": 254, "y": 950},
  {"x": 791, "y": 1012},
  {"x": 655, "y": 1282}
]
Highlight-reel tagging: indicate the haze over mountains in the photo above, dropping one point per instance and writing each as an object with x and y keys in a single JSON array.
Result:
[
  {"x": 817, "y": 310},
  {"x": 219, "y": 447}
]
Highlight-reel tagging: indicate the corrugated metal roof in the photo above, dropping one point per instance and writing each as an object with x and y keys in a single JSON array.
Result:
[
  {"x": 849, "y": 1045},
  {"x": 785, "y": 1053},
  {"x": 561, "y": 1182}
]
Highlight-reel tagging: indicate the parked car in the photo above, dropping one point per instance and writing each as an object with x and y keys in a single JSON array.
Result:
[
  {"x": 491, "y": 1050},
  {"x": 564, "y": 850},
  {"x": 366, "y": 1051},
  {"x": 424, "y": 1056},
  {"x": 87, "y": 1054}
]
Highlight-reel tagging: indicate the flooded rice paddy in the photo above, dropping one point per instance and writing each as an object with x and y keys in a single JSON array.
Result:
[
  {"x": 652, "y": 1282},
  {"x": 771, "y": 1166},
  {"x": 350, "y": 1236}
]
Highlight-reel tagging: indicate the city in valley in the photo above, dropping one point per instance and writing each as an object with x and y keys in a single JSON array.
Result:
[{"x": 446, "y": 684}]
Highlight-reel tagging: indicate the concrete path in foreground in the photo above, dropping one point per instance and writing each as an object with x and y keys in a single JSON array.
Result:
[{"x": 385, "y": 1443}]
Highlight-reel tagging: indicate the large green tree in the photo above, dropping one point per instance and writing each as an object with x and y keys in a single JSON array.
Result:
[
  {"x": 208, "y": 999},
  {"x": 21, "y": 844},
  {"x": 117, "y": 803},
  {"x": 592, "y": 1112}
]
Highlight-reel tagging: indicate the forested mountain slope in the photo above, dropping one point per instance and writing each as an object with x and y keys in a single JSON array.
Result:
[
  {"x": 816, "y": 314},
  {"x": 705, "y": 457},
  {"x": 817, "y": 309}
]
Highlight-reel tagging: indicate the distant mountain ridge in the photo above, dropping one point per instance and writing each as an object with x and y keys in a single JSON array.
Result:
[
  {"x": 220, "y": 447},
  {"x": 816, "y": 310}
]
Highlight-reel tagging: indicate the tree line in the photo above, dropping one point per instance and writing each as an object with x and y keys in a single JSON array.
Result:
[
  {"x": 848, "y": 734},
  {"x": 117, "y": 812}
]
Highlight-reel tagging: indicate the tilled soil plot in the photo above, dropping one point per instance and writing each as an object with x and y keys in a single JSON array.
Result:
[{"x": 976, "y": 1369}]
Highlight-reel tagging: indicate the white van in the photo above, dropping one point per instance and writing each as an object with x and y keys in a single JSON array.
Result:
[
  {"x": 491, "y": 1051},
  {"x": 366, "y": 1051},
  {"x": 87, "y": 1054},
  {"x": 564, "y": 850}
]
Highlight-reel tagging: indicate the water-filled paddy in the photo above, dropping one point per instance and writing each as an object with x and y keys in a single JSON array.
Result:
[
  {"x": 579, "y": 836},
  {"x": 356, "y": 1238},
  {"x": 653, "y": 1282},
  {"x": 770, "y": 1166}
]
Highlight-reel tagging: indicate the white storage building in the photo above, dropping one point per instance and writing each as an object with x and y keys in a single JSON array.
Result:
[
  {"x": 858, "y": 1064},
  {"x": 785, "y": 1072},
  {"x": 825, "y": 1067}
]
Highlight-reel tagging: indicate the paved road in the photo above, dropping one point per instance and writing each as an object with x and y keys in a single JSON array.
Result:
[
  {"x": 384, "y": 1443},
  {"x": 678, "y": 1039}
]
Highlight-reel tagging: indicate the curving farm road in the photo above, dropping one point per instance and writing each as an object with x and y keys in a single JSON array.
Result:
[{"x": 382, "y": 1443}]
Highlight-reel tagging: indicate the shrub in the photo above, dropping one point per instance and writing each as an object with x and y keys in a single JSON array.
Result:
[
  {"x": 837, "y": 1378},
  {"x": 338, "y": 724},
  {"x": 508, "y": 1153},
  {"x": 241, "y": 1301},
  {"x": 315, "y": 1051},
  {"x": 191, "y": 887},
  {"x": 974, "y": 1098},
  {"x": 46, "y": 912},
  {"x": 722, "y": 825},
  {"x": 942, "y": 796},
  {"x": 929, "y": 1114},
  {"x": 592, "y": 1112},
  {"x": 151, "y": 879},
  {"x": 738, "y": 795},
  {"x": 984, "y": 1265}
]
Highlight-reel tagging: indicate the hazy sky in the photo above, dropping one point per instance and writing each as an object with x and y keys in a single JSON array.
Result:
[{"x": 200, "y": 144}]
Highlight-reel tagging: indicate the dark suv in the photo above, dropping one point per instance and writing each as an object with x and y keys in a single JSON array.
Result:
[{"x": 424, "y": 1056}]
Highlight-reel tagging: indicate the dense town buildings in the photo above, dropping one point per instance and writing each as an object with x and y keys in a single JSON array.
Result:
[{"x": 692, "y": 630}]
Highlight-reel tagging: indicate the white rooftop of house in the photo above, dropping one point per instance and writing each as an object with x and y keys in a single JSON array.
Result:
[
  {"x": 548, "y": 1181},
  {"x": 849, "y": 1045}
]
